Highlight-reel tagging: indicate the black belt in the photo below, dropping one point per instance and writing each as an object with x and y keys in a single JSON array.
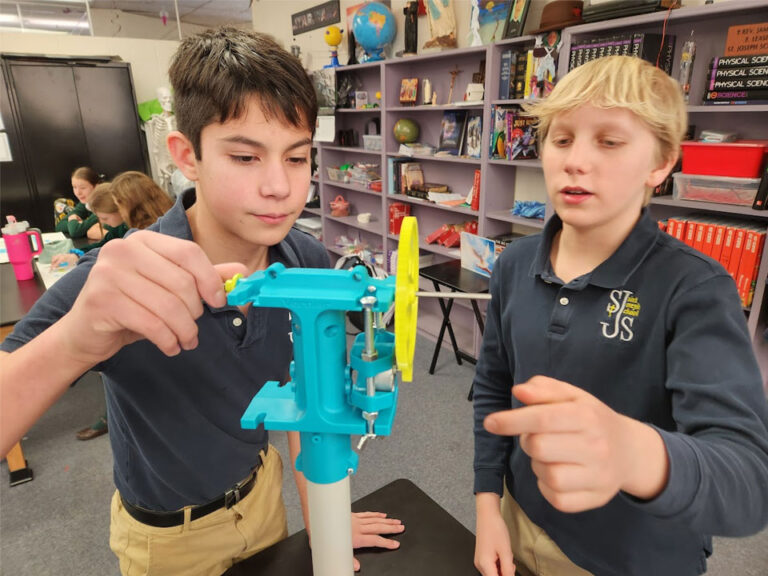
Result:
[{"x": 169, "y": 519}]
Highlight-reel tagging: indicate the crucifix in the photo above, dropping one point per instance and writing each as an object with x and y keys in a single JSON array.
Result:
[{"x": 453, "y": 74}]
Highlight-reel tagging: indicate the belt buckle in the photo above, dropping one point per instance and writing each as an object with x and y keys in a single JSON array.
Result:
[{"x": 231, "y": 497}]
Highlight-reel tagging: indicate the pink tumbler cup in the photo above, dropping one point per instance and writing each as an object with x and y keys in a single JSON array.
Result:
[{"x": 21, "y": 252}]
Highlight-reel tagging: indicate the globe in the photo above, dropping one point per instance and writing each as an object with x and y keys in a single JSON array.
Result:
[
  {"x": 374, "y": 29},
  {"x": 406, "y": 131}
]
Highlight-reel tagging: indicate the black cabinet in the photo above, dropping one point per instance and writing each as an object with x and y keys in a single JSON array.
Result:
[{"x": 62, "y": 113}]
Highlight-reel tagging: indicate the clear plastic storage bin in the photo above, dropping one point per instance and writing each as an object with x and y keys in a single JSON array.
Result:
[
  {"x": 336, "y": 175},
  {"x": 718, "y": 189},
  {"x": 372, "y": 142}
]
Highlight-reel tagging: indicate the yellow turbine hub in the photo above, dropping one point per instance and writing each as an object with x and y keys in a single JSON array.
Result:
[{"x": 406, "y": 302}]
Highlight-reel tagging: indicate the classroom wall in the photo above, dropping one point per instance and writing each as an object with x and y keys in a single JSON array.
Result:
[
  {"x": 149, "y": 59},
  {"x": 143, "y": 41},
  {"x": 274, "y": 17},
  {"x": 119, "y": 24}
]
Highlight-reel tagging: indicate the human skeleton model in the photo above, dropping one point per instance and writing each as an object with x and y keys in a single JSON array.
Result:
[{"x": 158, "y": 127}]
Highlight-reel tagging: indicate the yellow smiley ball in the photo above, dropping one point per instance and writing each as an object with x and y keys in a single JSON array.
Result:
[{"x": 333, "y": 36}]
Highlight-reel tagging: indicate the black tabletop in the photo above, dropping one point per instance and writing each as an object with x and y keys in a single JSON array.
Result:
[
  {"x": 453, "y": 276},
  {"x": 434, "y": 542},
  {"x": 17, "y": 296}
]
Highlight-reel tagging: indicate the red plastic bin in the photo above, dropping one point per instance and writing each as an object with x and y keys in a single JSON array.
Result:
[{"x": 742, "y": 159}]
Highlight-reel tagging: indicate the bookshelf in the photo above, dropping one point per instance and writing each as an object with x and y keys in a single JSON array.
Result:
[{"x": 504, "y": 181}]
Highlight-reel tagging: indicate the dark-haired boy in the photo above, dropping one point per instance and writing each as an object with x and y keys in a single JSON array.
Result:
[{"x": 195, "y": 493}]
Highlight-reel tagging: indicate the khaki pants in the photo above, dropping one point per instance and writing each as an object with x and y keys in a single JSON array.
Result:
[
  {"x": 211, "y": 544},
  {"x": 535, "y": 553}
]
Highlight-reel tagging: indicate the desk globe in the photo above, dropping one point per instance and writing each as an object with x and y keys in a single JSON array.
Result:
[
  {"x": 406, "y": 131},
  {"x": 374, "y": 29}
]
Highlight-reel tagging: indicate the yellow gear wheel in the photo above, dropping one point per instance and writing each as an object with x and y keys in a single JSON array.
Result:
[{"x": 406, "y": 302}]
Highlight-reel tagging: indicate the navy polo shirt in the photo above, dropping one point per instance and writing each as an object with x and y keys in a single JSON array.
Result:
[
  {"x": 656, "y": 332},
  {"x": 174, "y": 423}
]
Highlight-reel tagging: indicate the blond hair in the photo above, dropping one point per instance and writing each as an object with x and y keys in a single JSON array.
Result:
[
  {"x": 139, "y": 199},
  {"x": 100, "y": 199},
  {"x": 621, "y": 82}
]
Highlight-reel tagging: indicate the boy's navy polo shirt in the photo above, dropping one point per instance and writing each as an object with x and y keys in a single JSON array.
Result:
[
  {"x": 657, "y": 332},
  {"x": 174, "y": 423}
]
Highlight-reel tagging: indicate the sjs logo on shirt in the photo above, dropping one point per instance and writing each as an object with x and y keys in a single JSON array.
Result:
[{"x": 622, "y": 309}]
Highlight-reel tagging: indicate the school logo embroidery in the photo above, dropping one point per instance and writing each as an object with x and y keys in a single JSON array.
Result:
[{"x": 622, "y": 310}]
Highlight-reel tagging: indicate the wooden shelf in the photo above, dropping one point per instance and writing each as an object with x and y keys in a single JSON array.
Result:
[
  {"x": 372, "y": 227},
  {"x": 424, "y": 157},
  {"x": 711, "y": 207},
  {"x": 521, "y": 163},
  {"x": 357, "y": 110},
  {"x": 430, "y": 108},
  {"x": 507, "y": 216},
  {"x": 352, "y": 149},
  {"x": 353, "y": 187},
  {"x": 419, "y": 202}
]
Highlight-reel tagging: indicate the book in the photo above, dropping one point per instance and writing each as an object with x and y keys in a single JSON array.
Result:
[
  {"x": 654, "y": 48},
  {"x": 741, "y": 72},
  {"x": 732, "y": 95},
  {"x": 521, "y": 63},
  {"x": 738, "y": 83},
  {"x": 717, "y": 241},
  {"x": 452, "y": 131},
  {"x": 414, "y": 176},
  {"x": 739, "y": 235},
  {"x": 667, "y": 54},
  {"x": 409, "y": 88},
  {"x": 504, "y": 74},
  {"x": 499, "y": 136},
  {"x": 528, "y": 73},
  {"x": 725, "y": 254},
  {"x": 740, "y": 102},
  {"x": 474, "y": 138},
  {"x": 522, "y": 143},
  {"x": 758, "y": 247},
  {"x": 734, "y": 61},
  {"x": 474, "y": 201}
]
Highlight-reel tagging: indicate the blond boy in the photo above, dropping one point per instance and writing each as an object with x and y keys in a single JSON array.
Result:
[{"x": 636, "y": 425}]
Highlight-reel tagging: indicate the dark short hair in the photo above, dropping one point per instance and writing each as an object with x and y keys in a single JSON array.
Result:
[{"x": 214, "y": 73}]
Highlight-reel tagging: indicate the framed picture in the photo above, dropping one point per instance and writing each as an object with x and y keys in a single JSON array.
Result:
[
  {"x": 316, "y": 17},
  {"x": 409, "y": 87},
  {"x": 474, "y": 137},
  {"x": 515, "y": 21},
  {"x": 452, "y": 131}
]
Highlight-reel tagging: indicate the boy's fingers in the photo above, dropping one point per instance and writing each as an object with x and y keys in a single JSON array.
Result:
[
  {"x": 544, "y": 390},
  {"x": 532, "y": 420},
  {"x": 191, "y": 258}
]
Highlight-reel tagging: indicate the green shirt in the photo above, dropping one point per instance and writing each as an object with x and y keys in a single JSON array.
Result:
[
  {"x": 112, "y": 233},
  {"x": 74, "y": 228}
]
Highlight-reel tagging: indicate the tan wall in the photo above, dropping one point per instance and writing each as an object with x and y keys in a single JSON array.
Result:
[
  {"x": 119, "y": 24},
  {"x": 149, "y": 59}
]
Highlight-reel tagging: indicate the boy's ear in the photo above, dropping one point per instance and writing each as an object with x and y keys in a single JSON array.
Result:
[
  {"x": 658, "y": 174},
  {"x": 183, "y": 154}
]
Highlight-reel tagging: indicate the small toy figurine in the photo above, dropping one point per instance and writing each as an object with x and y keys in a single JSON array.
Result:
[{"x": 332, "y": 37}]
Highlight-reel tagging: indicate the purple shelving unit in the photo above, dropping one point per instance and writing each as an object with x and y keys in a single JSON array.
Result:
[{"x": 502, "y": 181}]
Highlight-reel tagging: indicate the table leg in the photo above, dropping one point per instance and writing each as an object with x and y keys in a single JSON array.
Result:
[
  {"x": 446, "y": 325},
  {"x": 17, "y": 466}
]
